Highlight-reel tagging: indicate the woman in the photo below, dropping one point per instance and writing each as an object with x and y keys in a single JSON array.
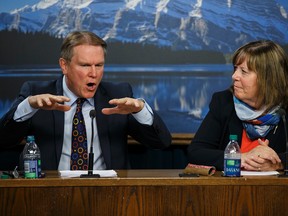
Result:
[{"x": 251, "y": 109}]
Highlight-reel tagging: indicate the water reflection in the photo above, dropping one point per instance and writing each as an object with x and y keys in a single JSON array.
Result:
[{"x": 179, "y": 93}]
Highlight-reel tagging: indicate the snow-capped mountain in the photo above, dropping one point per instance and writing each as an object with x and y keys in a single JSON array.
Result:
[{"x": 221, "y": 25}]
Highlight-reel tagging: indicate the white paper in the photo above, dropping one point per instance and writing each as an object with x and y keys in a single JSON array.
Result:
[
  {"x": 77, "y": 173},
  {"x": 259, "y": 173}
]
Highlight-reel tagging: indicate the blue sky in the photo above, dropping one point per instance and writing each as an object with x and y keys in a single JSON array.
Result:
[{"x": 7, "y": 5}]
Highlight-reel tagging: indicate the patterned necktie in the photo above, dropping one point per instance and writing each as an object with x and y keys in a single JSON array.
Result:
[{"x": 79, "y": 156}]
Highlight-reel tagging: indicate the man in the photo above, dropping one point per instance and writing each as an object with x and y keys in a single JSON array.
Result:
[{"x": 46, "y": 110}]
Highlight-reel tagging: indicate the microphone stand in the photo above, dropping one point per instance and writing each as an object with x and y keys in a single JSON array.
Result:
[
  {"x": 91, "y": 153},
  {"x": 282, "y": 112}
]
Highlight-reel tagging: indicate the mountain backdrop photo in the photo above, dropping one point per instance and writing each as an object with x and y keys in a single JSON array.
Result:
[{"x": 175, "y": 53}]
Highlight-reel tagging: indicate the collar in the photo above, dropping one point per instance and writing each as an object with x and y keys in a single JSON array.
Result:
[{"x": 68, "y": 93}]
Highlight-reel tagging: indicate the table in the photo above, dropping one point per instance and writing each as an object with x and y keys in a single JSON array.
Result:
[{"x": 145, "y": 192}]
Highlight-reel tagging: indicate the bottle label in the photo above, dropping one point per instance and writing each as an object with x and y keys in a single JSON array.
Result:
[
  {"x": 232, "y": 167},
  {"x": 39, "y": 168},
  {"x": 30, "y": 169}
]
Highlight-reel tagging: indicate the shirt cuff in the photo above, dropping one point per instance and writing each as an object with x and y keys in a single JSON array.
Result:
[
  {"x": 145, "y": 116},
  {"x": 24, "y": 111}
]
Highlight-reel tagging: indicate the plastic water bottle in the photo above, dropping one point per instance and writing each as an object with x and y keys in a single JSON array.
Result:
[
  {"x": 32, "y": 159},
  {"x": 232, "y": 158}
]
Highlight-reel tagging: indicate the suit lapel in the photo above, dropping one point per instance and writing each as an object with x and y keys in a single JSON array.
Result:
[
  {"x": 58, "y": 133},
  {"x": 101, "y": 100},
  {"x": 58, "y": 123}
]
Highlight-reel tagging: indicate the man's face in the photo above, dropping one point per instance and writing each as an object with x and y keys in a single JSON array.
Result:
[{"x": 85, "y": 71}]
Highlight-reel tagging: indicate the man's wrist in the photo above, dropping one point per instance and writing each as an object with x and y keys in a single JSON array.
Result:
[{"x": 142, "y": 105}]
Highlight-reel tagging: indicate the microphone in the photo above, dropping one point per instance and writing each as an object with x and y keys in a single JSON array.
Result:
[
  {"x": 282, "y": 113},
  {"x": 91, "y": 153}
]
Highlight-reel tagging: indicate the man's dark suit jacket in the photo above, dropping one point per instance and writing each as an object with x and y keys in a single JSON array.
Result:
[
  {"x": 48, "y": 126},
  {"x": 208, "y": 145}
]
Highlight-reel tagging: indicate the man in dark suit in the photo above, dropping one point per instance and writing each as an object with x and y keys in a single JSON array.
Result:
[{"x": 46, "y": 110}]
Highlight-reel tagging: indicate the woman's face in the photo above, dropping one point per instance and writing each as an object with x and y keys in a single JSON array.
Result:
[{"x": 245, "y": 84}]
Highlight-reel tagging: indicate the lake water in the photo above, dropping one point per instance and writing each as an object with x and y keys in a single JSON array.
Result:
[{"x": 179, "y": 93}]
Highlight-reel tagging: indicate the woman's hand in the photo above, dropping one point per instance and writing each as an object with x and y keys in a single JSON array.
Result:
[{"x": 261, "y": 158}]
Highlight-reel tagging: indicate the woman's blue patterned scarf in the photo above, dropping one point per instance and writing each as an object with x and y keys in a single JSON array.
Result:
[{"x": 255, "y": 122}]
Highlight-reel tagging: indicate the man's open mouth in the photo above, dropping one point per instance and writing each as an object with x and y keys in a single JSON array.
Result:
[{"x": 91, "y": 84}]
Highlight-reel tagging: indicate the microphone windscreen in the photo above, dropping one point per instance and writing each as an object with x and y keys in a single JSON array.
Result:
[
  {"x": 92, "y": 113},
  {"x": 281, "y": 112}
]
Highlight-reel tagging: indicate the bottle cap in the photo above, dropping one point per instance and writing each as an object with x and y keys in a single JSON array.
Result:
[
  {"x": 233, "y": 137},
  {"x": 30, "y": 138},
  {"x": 4, "y": 176}
]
